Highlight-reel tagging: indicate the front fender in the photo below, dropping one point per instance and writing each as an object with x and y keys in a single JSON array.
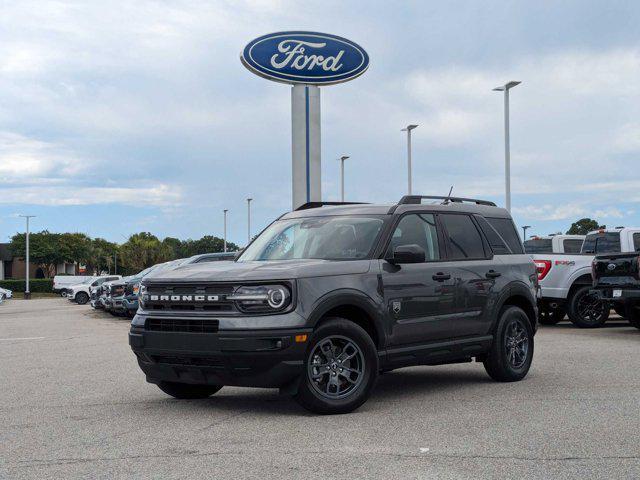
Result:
[{"x": 354, "y": 298}]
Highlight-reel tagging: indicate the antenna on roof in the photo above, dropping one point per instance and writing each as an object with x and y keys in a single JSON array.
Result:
[{"x": 448, "y": 197}]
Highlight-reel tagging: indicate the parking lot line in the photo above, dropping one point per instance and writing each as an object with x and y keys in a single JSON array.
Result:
[{"x": 20, "y": 338}]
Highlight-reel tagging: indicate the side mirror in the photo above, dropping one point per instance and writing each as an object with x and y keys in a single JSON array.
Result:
[{"x": 407, "y": 254}]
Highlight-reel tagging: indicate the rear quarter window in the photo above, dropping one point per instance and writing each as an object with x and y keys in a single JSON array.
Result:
[
  {"x": 507, "y": 230},
  {"x": 572, "y": 245}
]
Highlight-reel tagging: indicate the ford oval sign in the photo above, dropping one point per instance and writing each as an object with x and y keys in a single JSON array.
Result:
[{"x": 305, "y": 57}]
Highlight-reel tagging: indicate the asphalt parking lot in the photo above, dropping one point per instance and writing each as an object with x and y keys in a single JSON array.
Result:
[{"x": 74, "y": 404}]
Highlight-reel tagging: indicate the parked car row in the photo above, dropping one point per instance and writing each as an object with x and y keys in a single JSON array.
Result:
[
  {"x": 567, "y": 279},
  {"x": 119, "y": 295}
]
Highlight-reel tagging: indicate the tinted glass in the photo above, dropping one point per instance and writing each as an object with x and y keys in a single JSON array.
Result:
[
  {"x": 636, "y": 242},
  {"x": 538, "y": 245},
  {"x": 463, "y": 237},
  {"x": 497, "y": 243},
  {"x": 608, "y": 242},
  {"x": 417, "y": 229},
  {"x": 572, "y": 245},
  {"x": 213, "y": 259},
  {"x": 507, "y": 230},
  {"x": 327, "y": 238}
]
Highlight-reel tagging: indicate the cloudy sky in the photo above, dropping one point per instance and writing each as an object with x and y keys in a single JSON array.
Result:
[{"x": 117, "y": 117}]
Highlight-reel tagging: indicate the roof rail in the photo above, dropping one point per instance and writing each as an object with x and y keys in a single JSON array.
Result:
[
  {"x": 308, "y": 205},
  {"x": 417, "y": 200}
]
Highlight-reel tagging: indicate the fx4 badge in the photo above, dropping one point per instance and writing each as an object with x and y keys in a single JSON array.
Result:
[{"x": 396, "y": 306}]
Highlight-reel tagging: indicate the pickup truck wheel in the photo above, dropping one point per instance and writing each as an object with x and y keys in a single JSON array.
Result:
[
  {"x": 82, "y": 298},
  {"x": 340, "y": 368},
  {"x": 632, "y": 314},
  {"x": 512, "y": 350},
  {"x": 551, "y": 317},
  {"x": 586, "y": 310},
  {"x": 186, "y": 391}
]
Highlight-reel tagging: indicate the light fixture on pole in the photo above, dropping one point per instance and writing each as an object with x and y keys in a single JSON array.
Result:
[
  {"x": 27, "y": 292},
  {"x": 507, "y": 154},
  {"x": 249, "y": 220},
  {"x": 225, "y": 229},
  {"x": 342, "y": 159},
  {"x": 524, "y": 231},
  {"x": 408, "y": 130}
]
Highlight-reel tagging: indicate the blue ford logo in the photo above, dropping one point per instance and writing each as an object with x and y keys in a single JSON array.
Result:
[{"x": 305, "y": 57}]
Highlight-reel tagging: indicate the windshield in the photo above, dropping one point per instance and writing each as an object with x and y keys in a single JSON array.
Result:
[
  {"x": 326, "y": 238},
  {"x": 538, "y": 245},
  {"x": 608, "y": 242}
]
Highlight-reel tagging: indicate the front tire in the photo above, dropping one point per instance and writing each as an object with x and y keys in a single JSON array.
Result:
[
  {"x": 187, "y": 391},
  {"x": 512, "y": 350},
  {"x": 340, "y": 369},
  {"x": 82, "y": 298},
  {"x": 586, "y": 310}
]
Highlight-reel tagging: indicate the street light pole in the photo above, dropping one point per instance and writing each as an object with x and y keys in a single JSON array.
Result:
[
  {"x": 507, "y": 154},
  {"x": 524, "y": 231},
  {"x": 408, "y": 130},
  {"x": 249, "y": 220},
  {"x": 27, "y": 292},
  {"x": 225, "y": 229},
  {"x": 342, "y": 159}
]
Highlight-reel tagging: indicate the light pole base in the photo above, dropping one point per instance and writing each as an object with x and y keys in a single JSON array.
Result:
[{"x": 27, "y": 295}]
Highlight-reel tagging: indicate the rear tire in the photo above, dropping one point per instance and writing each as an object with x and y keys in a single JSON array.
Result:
[
  {"x": 340, "y": 368},
  {"x": 511, "y": 353},
  {"x": 585, "y": 310},
  {"x": 187, "y": 391},
  {"x": 551, "y": 317},
  {"x": 82, "y": 298},
  {"x": 632, "y": 314}
]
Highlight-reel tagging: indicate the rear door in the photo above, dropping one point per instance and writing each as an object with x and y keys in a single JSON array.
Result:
[
  {"x": 474, "y": 272},
  {"x": 414, "y": 294}
]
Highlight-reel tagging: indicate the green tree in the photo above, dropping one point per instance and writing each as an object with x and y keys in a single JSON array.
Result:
[
  {"x": 175, "y": 245},
  {"x": 584, "y": 226},
  {"x": 101, "y": 255},
  {"x": 206, "y": 244},
  {"x": 143, "y": 250},
  {"x": 44, "y": 250}
]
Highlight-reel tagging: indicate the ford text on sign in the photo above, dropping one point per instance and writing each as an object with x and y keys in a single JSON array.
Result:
[{"x": 305, "y": 57}]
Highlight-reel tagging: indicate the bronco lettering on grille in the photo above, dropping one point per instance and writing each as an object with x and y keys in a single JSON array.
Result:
[{"x": 184, "y": 298}]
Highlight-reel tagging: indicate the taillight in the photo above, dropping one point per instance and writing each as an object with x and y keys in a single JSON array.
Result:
[{"x": 542, "y": 267}]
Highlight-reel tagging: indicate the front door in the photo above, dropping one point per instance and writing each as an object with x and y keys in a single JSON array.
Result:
[{"x": 415, "y": 293}]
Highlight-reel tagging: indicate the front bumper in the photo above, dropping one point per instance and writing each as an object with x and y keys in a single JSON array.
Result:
[
  {"x": 130, "y": 303},
  {"x": 256, "y": 358},
  {"x": 250, "y": 351}
]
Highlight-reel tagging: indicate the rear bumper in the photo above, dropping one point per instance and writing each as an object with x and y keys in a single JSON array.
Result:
[
  {"x": 256, "y": 358},
  {"x": 624, "y": 295}
]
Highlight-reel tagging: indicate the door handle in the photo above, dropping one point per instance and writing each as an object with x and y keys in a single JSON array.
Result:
[
  {"x": 441, "y": 277},
  {"x": 492, "y": 274}
]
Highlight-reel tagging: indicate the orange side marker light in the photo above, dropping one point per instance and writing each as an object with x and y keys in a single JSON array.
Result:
[{"x": 301, "y": 338}]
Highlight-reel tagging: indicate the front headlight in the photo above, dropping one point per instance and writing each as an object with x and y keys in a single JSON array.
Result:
[
  {"x": 141, "y": 289},
  {"x": 261, "y": 298}
]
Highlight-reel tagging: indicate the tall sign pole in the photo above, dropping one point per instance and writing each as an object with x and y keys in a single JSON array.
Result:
[
  {"x": 507, "y": 145},
  {"x": 306, "y": 60},
  {"x": 27, "y": 292}
]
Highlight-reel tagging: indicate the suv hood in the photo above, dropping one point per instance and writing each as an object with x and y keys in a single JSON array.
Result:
[{"x": 249, "y": 271}]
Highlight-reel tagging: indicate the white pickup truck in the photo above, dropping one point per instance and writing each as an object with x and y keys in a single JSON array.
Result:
[
  {"x": 565, "y": 279},
  {"x": 554, "y": 244},
  {"x": 80, "y": 293}
]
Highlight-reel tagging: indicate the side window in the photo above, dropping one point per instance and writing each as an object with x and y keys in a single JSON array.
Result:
[
  {"x": 497, "y": 243},
  {"x": 573, "y": 245},
  {"x": 636, "y": 242},
  {"x": 463, "y": 237},
  {"x": 507, "y": 230},
  {"x": 417, "y": 229}
]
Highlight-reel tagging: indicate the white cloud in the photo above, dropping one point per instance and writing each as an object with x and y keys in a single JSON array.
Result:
[{"x": 159, "y": 195}]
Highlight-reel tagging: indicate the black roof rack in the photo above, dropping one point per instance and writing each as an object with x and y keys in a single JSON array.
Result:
[
  {"x": 308, "y": 205},
  {"x": 417, "y": 200}
]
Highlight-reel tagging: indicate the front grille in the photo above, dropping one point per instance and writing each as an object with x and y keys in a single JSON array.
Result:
[
  {"x": 160, "y": 292},
  {"x": 192, "y": 325},
  {"x": 189, "y": 361}
]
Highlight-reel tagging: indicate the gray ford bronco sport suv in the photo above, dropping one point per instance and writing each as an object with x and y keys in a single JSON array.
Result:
[{"x": 328, "y": 297}]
